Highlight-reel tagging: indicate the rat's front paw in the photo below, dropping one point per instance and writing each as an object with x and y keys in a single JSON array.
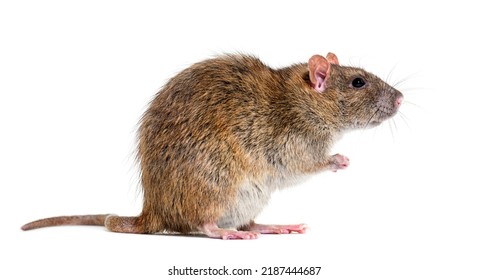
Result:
[{"x": 338, "y": 162}]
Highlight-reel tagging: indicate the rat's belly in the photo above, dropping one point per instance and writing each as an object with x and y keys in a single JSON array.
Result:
[
  {"x": 250, "y": 201},
  {"x": 253, "y": 196}
]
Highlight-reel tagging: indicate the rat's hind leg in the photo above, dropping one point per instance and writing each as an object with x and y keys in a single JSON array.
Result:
[
  {"x": 213, "y": 231},
  {"x": 275, "y": 229},
  {"x": 123, "y": 224}
]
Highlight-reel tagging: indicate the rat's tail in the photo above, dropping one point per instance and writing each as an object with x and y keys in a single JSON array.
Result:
[{"x": 89, "y": 220}]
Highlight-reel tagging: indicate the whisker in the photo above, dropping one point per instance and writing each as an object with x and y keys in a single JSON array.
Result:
[
  {"x": 412, "y": 89},
  {"x": 389, "y": 75},
  {"x": 405, "y": 79},
  {"x": 412, "y": 103},
  {"x": 370, "y": 119},
  {"x": 404, "y": 118},
  {"x": 390, "y": 129},
  {"x": 399, "y": 83},
  {"x": 402, "y": 115},
  {"x": 395, "y": 125}
]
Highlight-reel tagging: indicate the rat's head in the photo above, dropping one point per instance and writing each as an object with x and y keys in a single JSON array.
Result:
[{"x": 364, "y": 99}]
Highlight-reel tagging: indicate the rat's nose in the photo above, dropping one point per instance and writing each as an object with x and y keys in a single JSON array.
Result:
[{"x": 398, "y": 101}]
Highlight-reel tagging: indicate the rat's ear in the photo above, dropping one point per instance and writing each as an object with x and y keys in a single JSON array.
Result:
[
  {"x": 319, "y": 70},
  {"x": 332, "y": 58}
]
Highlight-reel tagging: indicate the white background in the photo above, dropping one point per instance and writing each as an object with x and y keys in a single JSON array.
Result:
[{"x": 75, "y": 78}]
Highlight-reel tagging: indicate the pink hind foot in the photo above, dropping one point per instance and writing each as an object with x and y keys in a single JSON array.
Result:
[
  {"x": 213, "y": 231},
  {"x": 276, "y": 229}
]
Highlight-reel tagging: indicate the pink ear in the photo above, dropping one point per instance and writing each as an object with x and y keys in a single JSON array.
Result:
[
  {"x": 332, "y": 58},
  {"x": 319, "y": 70}
]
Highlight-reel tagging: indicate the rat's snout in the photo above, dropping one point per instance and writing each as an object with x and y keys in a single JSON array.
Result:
[
  {"x": 395, "y": 98},
  {"x": 398, "y": 101},
  {"x": 387, "y": 105}
]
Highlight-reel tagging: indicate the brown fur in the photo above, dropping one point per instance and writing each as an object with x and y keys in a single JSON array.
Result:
[{"x": 232, "y": 121}]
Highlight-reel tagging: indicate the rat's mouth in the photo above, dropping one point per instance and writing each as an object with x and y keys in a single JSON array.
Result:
[
  {"x": 373, "y": 123},
  {"x": 386, "y": 109},
  {"x": 383, "y": 112}
]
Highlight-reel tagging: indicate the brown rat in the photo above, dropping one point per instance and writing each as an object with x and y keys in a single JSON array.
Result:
[{"x": 227, "y": 132}]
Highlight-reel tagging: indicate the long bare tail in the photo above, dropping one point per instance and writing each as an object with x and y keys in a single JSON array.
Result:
[{"x": 88, "y": 220}]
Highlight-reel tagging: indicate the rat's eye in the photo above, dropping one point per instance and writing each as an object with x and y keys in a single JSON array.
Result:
[{"x": 358, "y": 83}]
